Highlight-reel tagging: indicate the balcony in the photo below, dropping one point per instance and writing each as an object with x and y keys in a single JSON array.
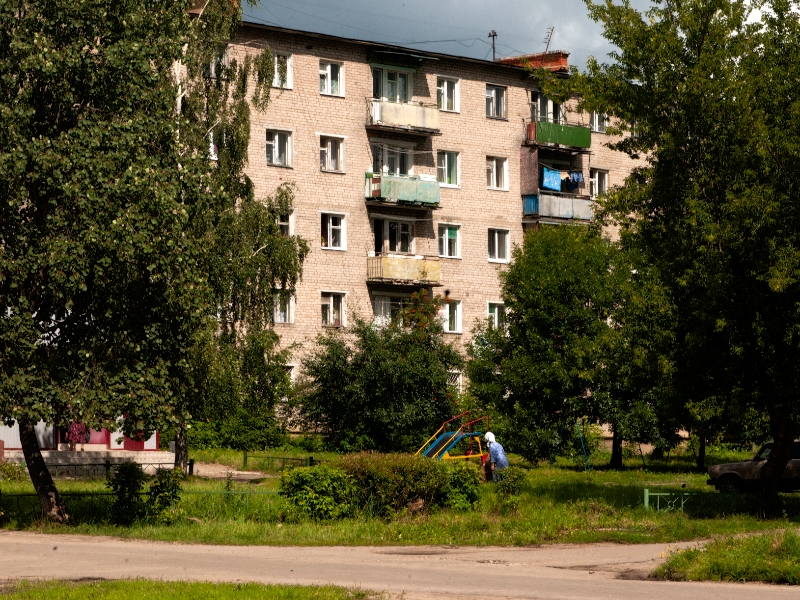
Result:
[
  {"x": 544, "y": 132},
  {"x": 414, "y": 118},
  {"x": 402, "y": 190},
  {"x": 559, "y": 206},
  {"x": 399, "y": 269}
]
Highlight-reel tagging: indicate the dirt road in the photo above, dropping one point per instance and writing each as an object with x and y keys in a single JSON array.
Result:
[{"x": 413, "y": 572}]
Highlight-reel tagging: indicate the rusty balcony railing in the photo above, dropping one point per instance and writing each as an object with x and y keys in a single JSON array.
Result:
[{"x": 399, "y": 269}]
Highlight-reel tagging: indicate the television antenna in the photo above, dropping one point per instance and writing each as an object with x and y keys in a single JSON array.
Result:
[{"x": 549, "y": 37}]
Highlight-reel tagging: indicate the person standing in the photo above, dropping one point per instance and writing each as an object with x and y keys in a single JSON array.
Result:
[{"x": 497, "y": 456}]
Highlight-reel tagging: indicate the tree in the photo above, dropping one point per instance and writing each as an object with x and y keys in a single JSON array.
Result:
[
  {"x": 92, "y": 220},
  {"x": 381, "y": 388},
  {"x": 713, "y": 101},
  {"x": 541, "y": 369}
]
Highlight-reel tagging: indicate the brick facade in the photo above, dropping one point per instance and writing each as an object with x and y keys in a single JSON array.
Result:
[{"x": 306, "y": 114}]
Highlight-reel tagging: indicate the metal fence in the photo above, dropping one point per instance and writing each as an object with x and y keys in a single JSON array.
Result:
[{"x": 275, "y": 463}]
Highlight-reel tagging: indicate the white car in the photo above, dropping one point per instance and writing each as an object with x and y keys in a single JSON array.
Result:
[{"x": 742, "y": 476}]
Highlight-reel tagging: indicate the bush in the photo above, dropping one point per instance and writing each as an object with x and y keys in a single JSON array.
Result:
[
  {"x": 464, "y": 486},
  {"x": 164, "y": 495},
  {"x": 509, "y": 488},
  {"x": 321, "y": 492},
  {"x": 127, "y": 485},
  {"x": 12, "y": 472}
]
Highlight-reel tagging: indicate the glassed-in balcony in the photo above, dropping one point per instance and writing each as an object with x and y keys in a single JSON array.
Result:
[
  {"x": 402, "y": 269},
  {"x": 546, "y": 132},
  {"x": 407, "y": 117},
  {"x": 559, "y": 206},
  {"x": 402, "y": 190}
]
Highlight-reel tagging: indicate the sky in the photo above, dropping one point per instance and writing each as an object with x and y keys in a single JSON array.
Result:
[{"x": 458, "y": 27}]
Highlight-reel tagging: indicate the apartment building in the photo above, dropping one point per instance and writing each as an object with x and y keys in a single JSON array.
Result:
[{"x": 414, "y": 169}]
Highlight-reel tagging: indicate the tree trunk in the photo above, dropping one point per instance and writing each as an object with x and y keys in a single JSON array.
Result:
[
  {"x": 616, "y": 450},
  {"x": 182, "y": 448},
  {"x": 776, "y": 462},
  {"x": 701, "y": 452},
  {"x": 53, "y": 507}
]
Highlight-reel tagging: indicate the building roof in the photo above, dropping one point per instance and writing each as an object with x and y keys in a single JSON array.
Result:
[{"x": 556, "y": 61}]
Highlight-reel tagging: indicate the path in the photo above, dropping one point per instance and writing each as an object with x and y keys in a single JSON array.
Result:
[
  {"x": 421, "y": 572},
  {"x": 217, "y": 471}
]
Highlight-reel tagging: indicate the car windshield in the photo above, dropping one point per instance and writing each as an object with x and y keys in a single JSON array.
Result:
[{"x": 763, "y": 454}]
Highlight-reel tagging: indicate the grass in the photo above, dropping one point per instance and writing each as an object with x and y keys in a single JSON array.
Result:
[
  {"x": 771, "y": 558},
  {"x": 558, "y": 504},
  {"x": 166, "y": 590},
  {"x": 256, "y": 462}
]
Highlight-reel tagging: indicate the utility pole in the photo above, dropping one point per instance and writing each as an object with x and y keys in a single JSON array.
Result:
[{"x": 493, "y": 35}]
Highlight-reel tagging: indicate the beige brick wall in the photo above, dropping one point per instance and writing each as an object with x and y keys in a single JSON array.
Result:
[{"x": 302, "y": 110}]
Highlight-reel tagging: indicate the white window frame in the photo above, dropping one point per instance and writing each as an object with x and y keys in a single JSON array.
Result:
[
  {"x": 448, "y": 155},
  {"x": 342, "y": 229},
  {"x": 443, "y": 229},
  {"x": 276, "y": 82},
  {"x": 216, "y": 62},
  {"x": 386, "y": 147},
  {"x": 598, "y": 122},
  {"x": 503, "y": 162},
  {"x": 327, "y": 298},
  {"x": 384, "y": 300},
  {"x": 447, "y": 310},
  {"x": 492, "y": 232},
  {"x": 328, "y": 139},
  {"x": 441, "y": 97},
  {"x": 272, "y": 139},
  {"x": 286, "y": 226},
  {"x": 493, "y": 318},
  {"x": 387, "y": 221},
  {"x": 545, "y": 110},
  {"x": 598, "y": 182},
  {"x": 325, "y": 70},
  {"x": 385, "y": 70},
  {"x": 491, "y": 93},
  {"x": 277, "y": 305},
  {"x": 456, "y": 380}
]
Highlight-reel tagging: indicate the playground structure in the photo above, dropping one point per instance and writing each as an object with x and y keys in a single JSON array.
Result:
[{"x": 457, "y": 439}]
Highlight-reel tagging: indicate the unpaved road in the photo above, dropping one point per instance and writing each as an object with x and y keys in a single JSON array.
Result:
[{"x": 411, "y": 572}]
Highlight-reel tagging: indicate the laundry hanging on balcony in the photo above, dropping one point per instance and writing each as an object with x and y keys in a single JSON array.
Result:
[
  {"x": 574, "y": 180},
  {"x": 551, "y": 179}
]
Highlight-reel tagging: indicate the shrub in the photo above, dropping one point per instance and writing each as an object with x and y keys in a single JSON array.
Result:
[
  {"x": 127, "y": 485},
  {"x": 164, "y": 495},
  {"x": 322, "y": 492},
  {"x": 464, "y": 485},
  {"x": 12, "y": 472},
  {"x": 509, "y": 488}
]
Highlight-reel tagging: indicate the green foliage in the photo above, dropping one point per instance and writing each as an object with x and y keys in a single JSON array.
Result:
[
  {"x": 382, "y": 388},
  {"x": 559, "y": 292},
  {"x": 322, "y": 492},
  {"x": 12, "y": 472},
  {"x": 464, "y": 485},
  {"x": 127, "y": 485},
  {"x": 164, "y": 495},
  {"x": 770, "y": 558}
]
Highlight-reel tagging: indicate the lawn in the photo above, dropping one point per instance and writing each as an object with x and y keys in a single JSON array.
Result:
[
  {"x": 165, "y": 590},
  {"x": 772, "y": 558},
  {"x": 558, "y": 503}
]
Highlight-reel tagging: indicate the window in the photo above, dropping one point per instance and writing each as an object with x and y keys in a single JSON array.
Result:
[
  {"x": 387, "y": 308},
  {"x": 286, "y": 224},
  {"x": 454, "y": 380},
  {"x": 498, "y": 245},
  {"x": 330, "y": 154},
  {"x": 391, "y": 160},
  {"x": 394, "y": 86},
  {"x": 451, "y": 316},
  {"x": 598, "y": 182},
  {"x": 496, "y": 173},
  {"x": 393, "y": 236},
  {"x": 332, "y": 309},
  {"x": 447, "y": 94},
  {"x": 333, "y": 232},
  {"x": 495, "y": 102},
  {"x": 447, "y": 167},
  {"x": 283, "y": 71},
  {"x": 497, "y": 314},
  {"x": 283, "y": 307},
  {"x": 597, "y": 122},
  {"x": 546, "y": 110},
  {"x": 218, "y": 67},
  {"x": 279, "y": 148},
  {"x": 448, "y": 241},
  {"x": 331, "y": 78}
]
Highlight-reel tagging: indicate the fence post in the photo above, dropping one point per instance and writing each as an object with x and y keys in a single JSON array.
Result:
[
  {"x": 108, "y": 469},
  {"x": 646, "y": 499},
  {"x": 244, "y": 462},
  {"x": 191, "y": 466}
]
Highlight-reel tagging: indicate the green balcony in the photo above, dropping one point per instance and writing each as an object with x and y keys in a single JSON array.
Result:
[
  {"x": 401, "y": 190},
  {"x": 543, "y": 132}
]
